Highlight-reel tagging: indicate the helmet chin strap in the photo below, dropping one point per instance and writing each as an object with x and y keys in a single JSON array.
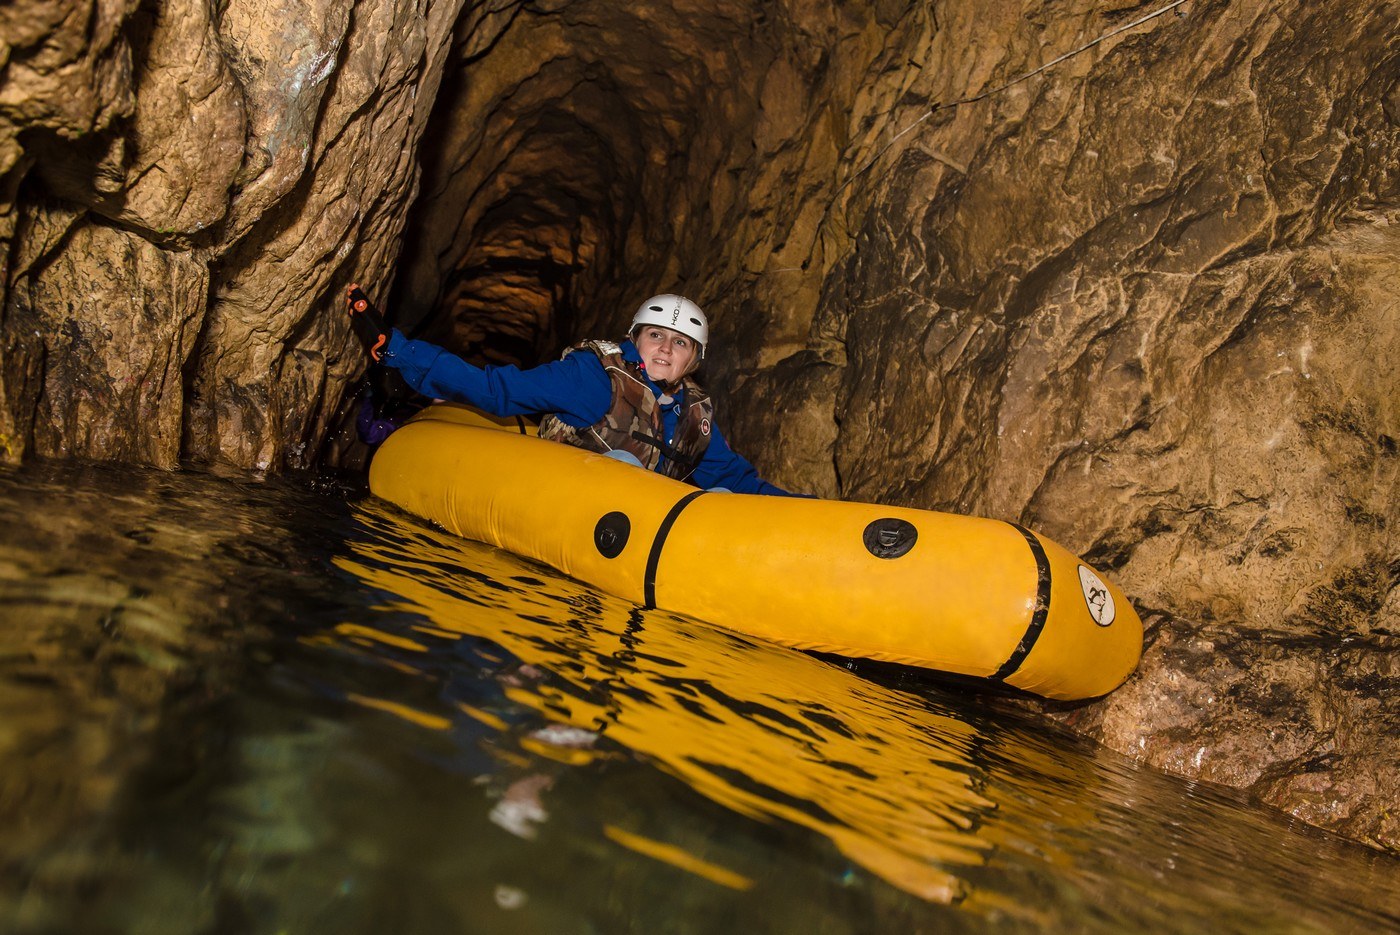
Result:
[{"x": 667, "y": 386}]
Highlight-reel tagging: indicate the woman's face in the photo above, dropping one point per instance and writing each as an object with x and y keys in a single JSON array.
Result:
[{"x": 666, "y": 354}]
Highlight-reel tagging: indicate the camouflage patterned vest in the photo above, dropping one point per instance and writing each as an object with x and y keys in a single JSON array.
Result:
[{"x": 633, "y": 421}]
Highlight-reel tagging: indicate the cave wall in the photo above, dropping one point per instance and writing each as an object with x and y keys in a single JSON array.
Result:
[
  {"x": 1142, "y": 298},
  {"x": 1147, "y": 306},
  {"x": 186, "y": 189}
]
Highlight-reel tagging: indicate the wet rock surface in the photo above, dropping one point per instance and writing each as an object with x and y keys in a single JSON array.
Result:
[
  {"x": 1142, "y": 299},
  {"x": 1305, "y": 723}
]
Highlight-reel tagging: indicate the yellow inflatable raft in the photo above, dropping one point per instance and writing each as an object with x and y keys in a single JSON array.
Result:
[{"x": 958, "y": 594}]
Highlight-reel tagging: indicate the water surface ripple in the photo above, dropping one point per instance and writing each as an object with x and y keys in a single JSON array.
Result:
[{"x": 237, "y": 705}]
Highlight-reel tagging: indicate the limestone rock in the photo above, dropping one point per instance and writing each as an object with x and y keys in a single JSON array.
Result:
[
  {"x": 112, "y": 358},
  {"x": 263, "y": 163},
  {"x": 1304, "y": 723},
  {"x": 188, "y": 128}
]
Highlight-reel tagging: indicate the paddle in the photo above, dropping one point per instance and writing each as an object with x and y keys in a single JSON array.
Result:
[{"x": 367, "y": 322}]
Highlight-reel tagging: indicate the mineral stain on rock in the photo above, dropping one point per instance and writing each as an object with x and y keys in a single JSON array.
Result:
[{"x": 1144, "y": 299}]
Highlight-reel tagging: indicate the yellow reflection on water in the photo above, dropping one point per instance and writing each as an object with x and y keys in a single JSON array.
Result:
[
  {"x": 678, "y": 857},
  {"x": 411, "y": 715},
  {"x": 770, "y": 733}
]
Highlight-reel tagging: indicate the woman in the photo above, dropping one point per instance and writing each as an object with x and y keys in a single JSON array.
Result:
[{"x": 634, "y": 401}]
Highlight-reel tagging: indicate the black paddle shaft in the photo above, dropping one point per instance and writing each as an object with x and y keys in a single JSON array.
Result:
[{"x": 368, "y": 323}]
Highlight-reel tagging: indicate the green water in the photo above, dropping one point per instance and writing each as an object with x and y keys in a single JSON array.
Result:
[{"x": 229, "y": 705}]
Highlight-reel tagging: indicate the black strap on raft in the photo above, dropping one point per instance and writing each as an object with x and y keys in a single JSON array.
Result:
[
  {"x": 671, "y": 453},
  {"x": 1042, "y": 607},
  {"x": 654, "y": 556}
]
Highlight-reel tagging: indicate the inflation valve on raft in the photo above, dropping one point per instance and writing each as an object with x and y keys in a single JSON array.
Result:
[
  {"x": 610, "y": 535},
  {"x": 889, "y": 537}
]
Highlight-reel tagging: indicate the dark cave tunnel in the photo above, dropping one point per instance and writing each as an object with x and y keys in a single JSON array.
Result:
[{"x": 556, "y": 196}]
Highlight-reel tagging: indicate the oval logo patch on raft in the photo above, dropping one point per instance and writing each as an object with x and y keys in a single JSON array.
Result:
[{"x": 1097, "y": 597}]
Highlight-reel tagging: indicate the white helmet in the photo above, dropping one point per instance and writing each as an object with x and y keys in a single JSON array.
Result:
[{"x": 677, "y": 313}]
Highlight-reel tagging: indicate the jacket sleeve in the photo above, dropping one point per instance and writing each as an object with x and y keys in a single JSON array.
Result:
[
  {"x": 722, "y": 466},
  {"x": 576, "y": 388}
]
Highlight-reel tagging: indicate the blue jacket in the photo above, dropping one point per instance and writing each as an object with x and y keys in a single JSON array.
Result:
[{"x": 577, "y": 389}]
